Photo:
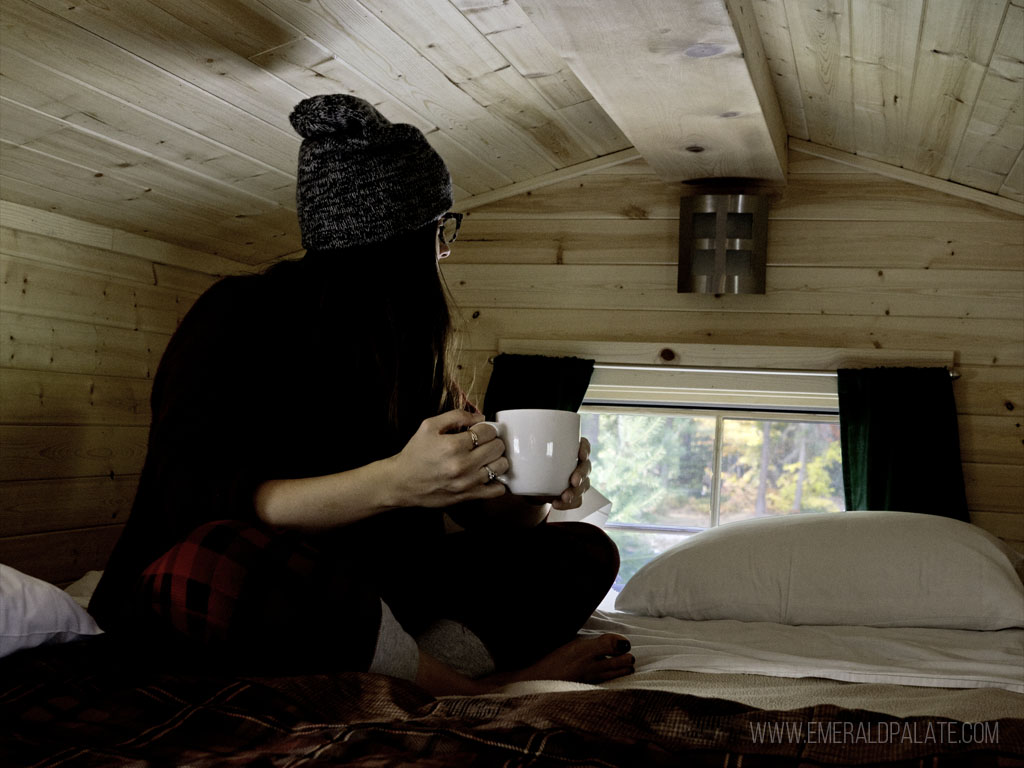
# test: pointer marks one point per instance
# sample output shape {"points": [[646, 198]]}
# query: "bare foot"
{"points": [[583, 660]]}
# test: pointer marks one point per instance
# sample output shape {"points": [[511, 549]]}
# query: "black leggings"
{"points": [[264, 600]]}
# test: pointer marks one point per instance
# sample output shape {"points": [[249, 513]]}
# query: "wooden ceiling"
{"points": [[169, 118]]}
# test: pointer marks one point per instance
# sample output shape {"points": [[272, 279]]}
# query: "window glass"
{"points": [[774, 467], [671, 472], [658, 471]]}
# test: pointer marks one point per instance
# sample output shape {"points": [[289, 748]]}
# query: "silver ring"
{"points": [[491, 475], [473, 437]]}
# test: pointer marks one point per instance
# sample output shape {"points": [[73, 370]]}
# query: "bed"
{"points": [[859, 639]]}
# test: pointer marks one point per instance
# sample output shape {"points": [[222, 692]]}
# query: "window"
{"points": [[674, 464]]}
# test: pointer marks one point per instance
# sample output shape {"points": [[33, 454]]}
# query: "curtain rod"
{"points": [[715, 369], [724, 370]]}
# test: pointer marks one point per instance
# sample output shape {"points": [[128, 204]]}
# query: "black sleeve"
{"points": [[206, 451]]}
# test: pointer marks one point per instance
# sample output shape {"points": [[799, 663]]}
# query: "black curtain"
{"points": [[537, 381], [900, 441]]}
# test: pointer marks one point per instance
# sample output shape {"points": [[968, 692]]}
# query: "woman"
{"points": [[308, 440]]}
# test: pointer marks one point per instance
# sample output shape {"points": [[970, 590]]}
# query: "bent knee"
{"points": [[592, 545]]}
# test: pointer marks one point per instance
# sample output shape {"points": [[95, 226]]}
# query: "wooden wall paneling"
{"points": [[50, 452], [948, 188], [778, 48], [73, 51], [951, 63], [507, 95], [182, 195], [803, 163], [34, 288], [995, 488], [197, 191], [42, 397], [60, 557], [90, 194], [831, 232], [40, 343], [91, 109], [312, 69], [992, 439], [469, 173], [38, 506], [595, 196], [598, 130], [1013, 185], [909, 244], [549, 179], [84, 258], [862, 197], [988, 390], [820, 243], [670, 354], [883, 49], [69, 230], [1007, 526], [821, 46], [995, 134], [244, 28], [511, 32], [744, 22], [474, 373], [566, 241], [33, 247], [359, 38], [821, 291], [839, 197], [978, 342], [727, 123], [49, 224], [181, 280], [442, 36], [156, 36]]}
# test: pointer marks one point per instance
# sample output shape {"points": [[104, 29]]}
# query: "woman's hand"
{"points": [[453, 457], [579, 481]]}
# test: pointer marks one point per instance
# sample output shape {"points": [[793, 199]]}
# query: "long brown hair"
{"points": [[387, 306]]}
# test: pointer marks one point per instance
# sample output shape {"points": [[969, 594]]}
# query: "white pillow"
{"points": [[34, 612], [878, 569]]}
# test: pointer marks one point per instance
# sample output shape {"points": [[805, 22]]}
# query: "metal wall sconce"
{"points": [[723, 243]]}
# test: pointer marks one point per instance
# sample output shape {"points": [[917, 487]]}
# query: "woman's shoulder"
{"points": [[240, 296]]}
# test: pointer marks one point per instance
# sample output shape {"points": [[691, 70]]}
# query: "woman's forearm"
{"points": [[327, 501]]}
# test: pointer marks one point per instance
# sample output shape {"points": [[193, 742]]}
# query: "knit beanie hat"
{"points": [[362, 178]]}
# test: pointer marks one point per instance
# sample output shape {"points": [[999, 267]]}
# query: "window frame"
{"points": [[750, 394]]}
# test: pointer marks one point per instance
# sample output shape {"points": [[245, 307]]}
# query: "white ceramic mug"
{"points": [[542, 447]]}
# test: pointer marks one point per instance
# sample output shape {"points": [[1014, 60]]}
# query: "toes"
{"points": [[609, 669], [613, 645]]}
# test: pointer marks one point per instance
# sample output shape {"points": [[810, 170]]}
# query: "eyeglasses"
{"points": [[448, 227]]}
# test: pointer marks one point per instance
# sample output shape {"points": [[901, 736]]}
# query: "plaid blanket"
{"points": [[77, 706]]}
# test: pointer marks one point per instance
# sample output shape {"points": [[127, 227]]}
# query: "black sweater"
{"points": [[259, 382]]}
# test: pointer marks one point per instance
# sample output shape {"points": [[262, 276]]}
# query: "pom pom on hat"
{"points": [[362, 178], [343, 115]]}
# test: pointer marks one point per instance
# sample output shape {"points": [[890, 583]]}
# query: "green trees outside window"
{"points": [[670, 474]]}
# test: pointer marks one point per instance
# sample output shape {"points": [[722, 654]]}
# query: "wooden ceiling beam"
{"points": [[685, 81]]}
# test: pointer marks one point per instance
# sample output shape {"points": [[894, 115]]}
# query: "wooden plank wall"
{"points": [[855, 260], [86, 312]]}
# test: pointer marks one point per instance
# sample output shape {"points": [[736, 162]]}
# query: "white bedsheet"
{"points": [[947, 658]]}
